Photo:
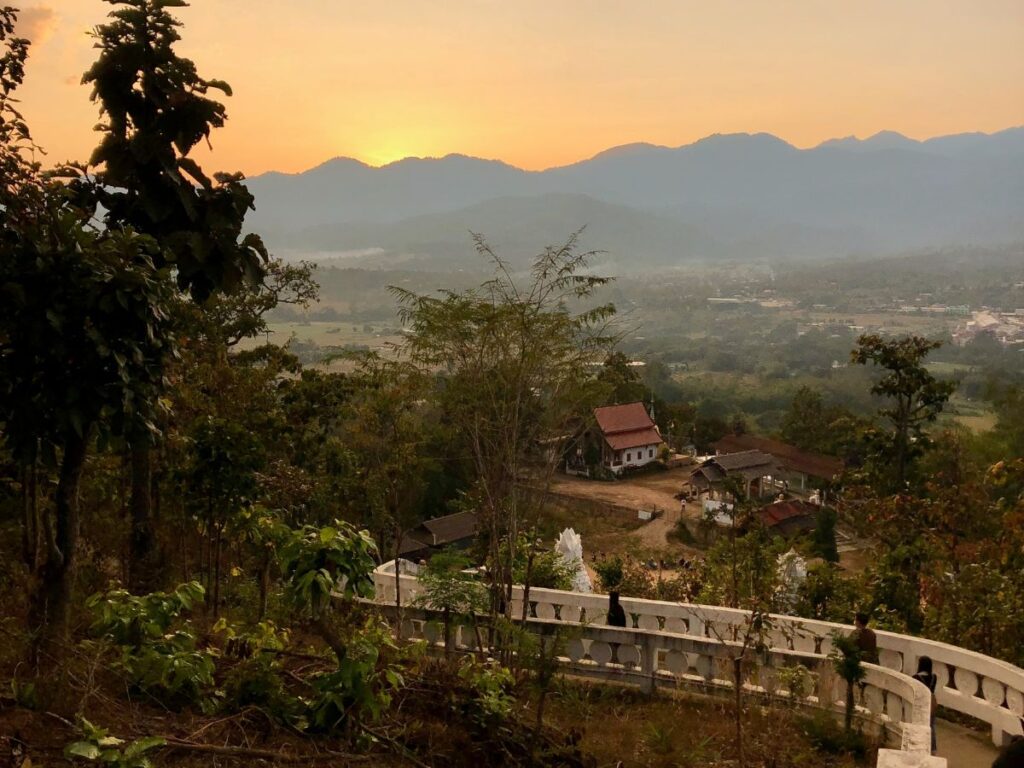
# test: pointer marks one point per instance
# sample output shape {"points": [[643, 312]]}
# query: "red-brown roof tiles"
{"points": [[626, 426]]}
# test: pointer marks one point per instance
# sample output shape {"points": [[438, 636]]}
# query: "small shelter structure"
{"points": [[629, 436], [457, 530], [752, 468], [798, 471]]}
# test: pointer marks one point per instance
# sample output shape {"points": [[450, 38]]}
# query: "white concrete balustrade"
{"points": [[681, 642]]}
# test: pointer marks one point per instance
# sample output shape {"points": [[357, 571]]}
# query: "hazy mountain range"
{"points": [[725, 196]]}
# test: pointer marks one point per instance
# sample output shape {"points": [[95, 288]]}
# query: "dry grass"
{"points": [[623, 726], [602, 528]]}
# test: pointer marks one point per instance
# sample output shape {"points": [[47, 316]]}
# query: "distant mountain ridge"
{"points": [[724, 196]]}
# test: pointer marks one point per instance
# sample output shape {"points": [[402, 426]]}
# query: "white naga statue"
{"points": [[570, 547]]}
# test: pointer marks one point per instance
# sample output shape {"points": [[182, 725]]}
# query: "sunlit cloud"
{"points": [[37, 23]]}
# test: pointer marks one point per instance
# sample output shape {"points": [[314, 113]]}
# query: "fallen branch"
{"points": [[262, 754], [396, 745]]}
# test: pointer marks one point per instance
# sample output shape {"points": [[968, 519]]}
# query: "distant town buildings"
{"points": [[1005, 327]]}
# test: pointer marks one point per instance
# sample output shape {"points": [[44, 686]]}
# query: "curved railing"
{"points": [[971, 683], [673, 643], [650, 659]]}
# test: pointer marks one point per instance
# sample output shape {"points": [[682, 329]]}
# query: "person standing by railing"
{"points": [[867, 640], [616, 614]]}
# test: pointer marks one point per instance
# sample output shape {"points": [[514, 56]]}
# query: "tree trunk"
{"points": [[264, 581], [446, 618], [216, 572], [737, 679], [141, 508], [32, 529], [848, 718], [329, 636], [398, 585], [53, 600]]}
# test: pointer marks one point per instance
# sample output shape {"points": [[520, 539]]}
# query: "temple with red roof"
{"points": [[629, 436]]}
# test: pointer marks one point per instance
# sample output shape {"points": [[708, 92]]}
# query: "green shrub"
{"points": [[257, 682], [173, 669], [361, 687], [491, 684], [156, 659], [127, 619], [99, 746], [829, 736], [681, 533], [610, 572]]}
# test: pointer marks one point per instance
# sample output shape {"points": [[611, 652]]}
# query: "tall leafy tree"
{"points": [[914, 398], [221, 481], [386, 432], [515, 361], [83, 326], [155, 110]]}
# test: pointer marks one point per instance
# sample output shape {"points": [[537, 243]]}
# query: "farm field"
{"points": [[330, 334], [976, 416]]}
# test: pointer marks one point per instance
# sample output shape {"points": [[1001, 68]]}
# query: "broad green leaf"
{"points": [[145, 744], [83, 749], [327, 535]]}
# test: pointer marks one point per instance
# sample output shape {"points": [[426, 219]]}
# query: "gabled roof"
{"points": [[789, 456], [628, 417], [732, 462], [627, 426], [788, 518], [747, 464]]}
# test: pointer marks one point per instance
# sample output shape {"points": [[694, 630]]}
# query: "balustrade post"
{"points": [[649, 662]]}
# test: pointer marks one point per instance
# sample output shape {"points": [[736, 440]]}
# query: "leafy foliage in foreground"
{"points": [[156, 658], [99, 746]]}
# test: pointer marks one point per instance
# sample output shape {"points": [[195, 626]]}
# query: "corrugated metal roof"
{"points": [[731, 462], [779, 511], [789, 456], [449, 528]]}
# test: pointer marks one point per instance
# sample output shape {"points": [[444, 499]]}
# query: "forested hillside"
{"points": [[734, 196]]}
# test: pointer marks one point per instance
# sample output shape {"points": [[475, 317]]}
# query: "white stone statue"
{"points": [[792, 570], [570, 547]]}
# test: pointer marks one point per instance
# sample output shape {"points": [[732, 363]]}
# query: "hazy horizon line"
{"points": [[639, 143]]}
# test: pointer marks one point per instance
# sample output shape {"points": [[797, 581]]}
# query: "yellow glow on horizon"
{"points": [[539, 83]]}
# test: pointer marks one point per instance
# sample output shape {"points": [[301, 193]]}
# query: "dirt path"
{"points": [[962, 747], [655, 491]]}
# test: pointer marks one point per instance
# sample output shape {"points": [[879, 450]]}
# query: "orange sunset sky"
{"points": [[547, 82]]}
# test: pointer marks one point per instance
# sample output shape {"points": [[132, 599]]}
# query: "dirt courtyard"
{"points": [[649, 492], [653, 491]]}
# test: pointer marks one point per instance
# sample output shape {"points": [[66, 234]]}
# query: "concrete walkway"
{"points": [[962, 747]]}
